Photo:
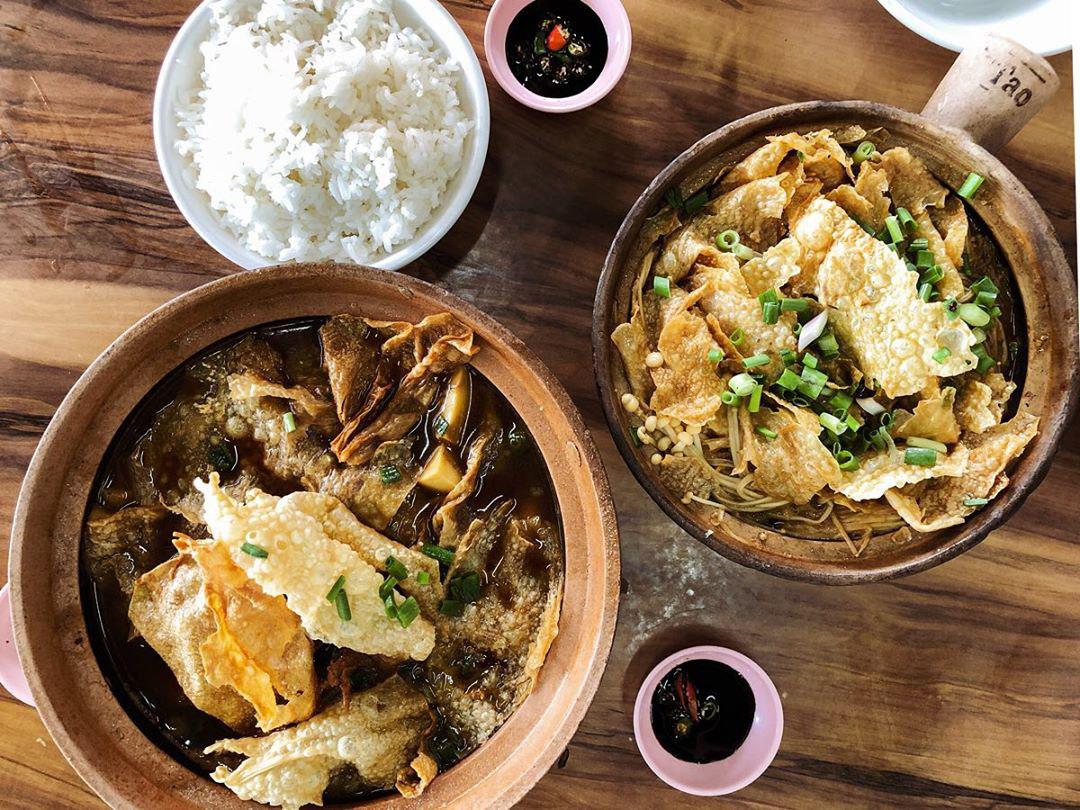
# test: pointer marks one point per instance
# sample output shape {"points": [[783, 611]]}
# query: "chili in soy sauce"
{"points": [[702, 711], [556, 48]]}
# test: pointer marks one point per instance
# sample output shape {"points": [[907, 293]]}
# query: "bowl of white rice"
{"points": [[321, 130]]}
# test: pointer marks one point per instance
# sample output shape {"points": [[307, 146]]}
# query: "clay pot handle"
{"points": [[993, 88]]}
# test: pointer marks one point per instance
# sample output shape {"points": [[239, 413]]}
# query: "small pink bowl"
{"points": [[11, 671], [616, 24], [726, 775]]}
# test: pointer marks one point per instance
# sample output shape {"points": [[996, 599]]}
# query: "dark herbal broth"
{"points": [[702, 711], [556, 48], [144, 683]]}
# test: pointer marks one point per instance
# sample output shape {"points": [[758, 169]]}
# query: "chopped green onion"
{"points": [[813, 376], [729, 398], [986, 362], [830, 422], [769, 295], [932, 275], [451, 607], [756, 360], [341, 602], [390, 606], [976, 501], [886, 419], [911, 267], [985, 299], [984, 284], [788, 357], [970, 185], [942, 354], [423, 578], [407, 611], [925, 291], [828, 345], [634, 438], [339, 583], [795, 305], [929, 444], [877, 439], [980, 334], [841, 400], [995, 312], [288, 421], [396, 569], [770, 312], [789, 380], [742, 384], [754, 405], [796, 328], [443, 555], [743, 253], [862, 152], [852, 423], [254, 550], [727, 240], [895, 248], [924, 259], [950, 305], [892, 225], [920, 456], [387, 587], [715, 356], [915, 245], [847, 461], [768, 433], [809, 391], [465, 588], [973, 315], [907, 222], [810, 360], [736, 337], [389, 474], [661, 286]]}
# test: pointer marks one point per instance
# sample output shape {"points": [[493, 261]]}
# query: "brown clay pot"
{"points": [[96, 735], [971, 97]]}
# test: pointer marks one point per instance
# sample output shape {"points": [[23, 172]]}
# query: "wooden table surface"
{"points": [[957, 686]]}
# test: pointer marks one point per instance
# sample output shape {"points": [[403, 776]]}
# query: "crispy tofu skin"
{"points": [[324, 557], [821, 344]]}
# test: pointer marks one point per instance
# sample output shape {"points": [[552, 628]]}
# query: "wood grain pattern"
{"points": [[959, 686]]}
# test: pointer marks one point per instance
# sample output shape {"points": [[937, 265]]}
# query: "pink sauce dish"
{"points": [[11, 671], [751, 756], [500, 26]]}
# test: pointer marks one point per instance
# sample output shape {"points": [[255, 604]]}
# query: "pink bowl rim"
{"points": [[617, 25], [768, 725]]}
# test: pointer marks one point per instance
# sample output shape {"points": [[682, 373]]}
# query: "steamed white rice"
{"points": [[322, 129]]}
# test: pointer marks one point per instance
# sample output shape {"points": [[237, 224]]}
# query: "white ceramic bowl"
{"points": [[1042, 26], [180, 72]]}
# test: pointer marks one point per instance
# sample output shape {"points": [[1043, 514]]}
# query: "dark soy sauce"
{"points": [[702, 711], [556, 48]]}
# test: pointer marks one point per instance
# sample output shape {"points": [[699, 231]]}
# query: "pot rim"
{"points": [[826, 573], [601, 593]]}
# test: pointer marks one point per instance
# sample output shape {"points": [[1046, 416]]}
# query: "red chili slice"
{"points": [[691, 699], [556, 39]]}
